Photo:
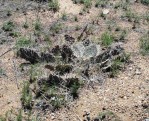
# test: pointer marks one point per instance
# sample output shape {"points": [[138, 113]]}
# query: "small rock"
{"points": [[105, 11], [52, 98], [86, 113], [52, 114], [130, 68], [52, 117], [137, 72]]}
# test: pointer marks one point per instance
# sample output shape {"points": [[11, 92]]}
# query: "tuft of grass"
{"points": [[26, 96], [8, 116], [100, 3], [23, 42], [2, 72], [19, 116], [14, 34], [58, 101], [2, 118], [144, 45], [121, 35], [87, 3], [115, 67], [74, 84], [107, 39], [64, 16], [9, 26], [54, 5], [56, 27], [118, 64], [47, 39], [37, 25], [34, 73], [131, 16], [146, 16]]}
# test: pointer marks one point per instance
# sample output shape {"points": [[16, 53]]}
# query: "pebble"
{"points": [[52, 114], [52, 117], [105, 11], [137, 72], [130, 68]]}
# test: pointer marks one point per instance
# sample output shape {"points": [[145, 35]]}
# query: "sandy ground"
{"points": [[124, 95]]}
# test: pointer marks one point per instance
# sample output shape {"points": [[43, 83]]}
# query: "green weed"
{"points": [[2, 72], [64, 16], [146, 16], [74, 84], [115, 67], [87, 3], [14, 34], [56, 27], [34, 73], [9, 26], [58, 101], [118, 64], [100, 3], [37, 25], [26, 96], [107, 39], [23, 42], [131, 16], [54, 5], [19, 116]]}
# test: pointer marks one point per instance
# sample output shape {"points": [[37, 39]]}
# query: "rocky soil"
{"points": [[74, 61]]}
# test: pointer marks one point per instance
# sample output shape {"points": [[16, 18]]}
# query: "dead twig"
{"points": [[84, 30], [10, 49]]}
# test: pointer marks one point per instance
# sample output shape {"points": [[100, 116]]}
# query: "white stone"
{"points": [[105, 11], [137, 72], [52, 117]]}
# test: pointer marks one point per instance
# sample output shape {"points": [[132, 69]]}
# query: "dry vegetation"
{"points": [[74, 60]]}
